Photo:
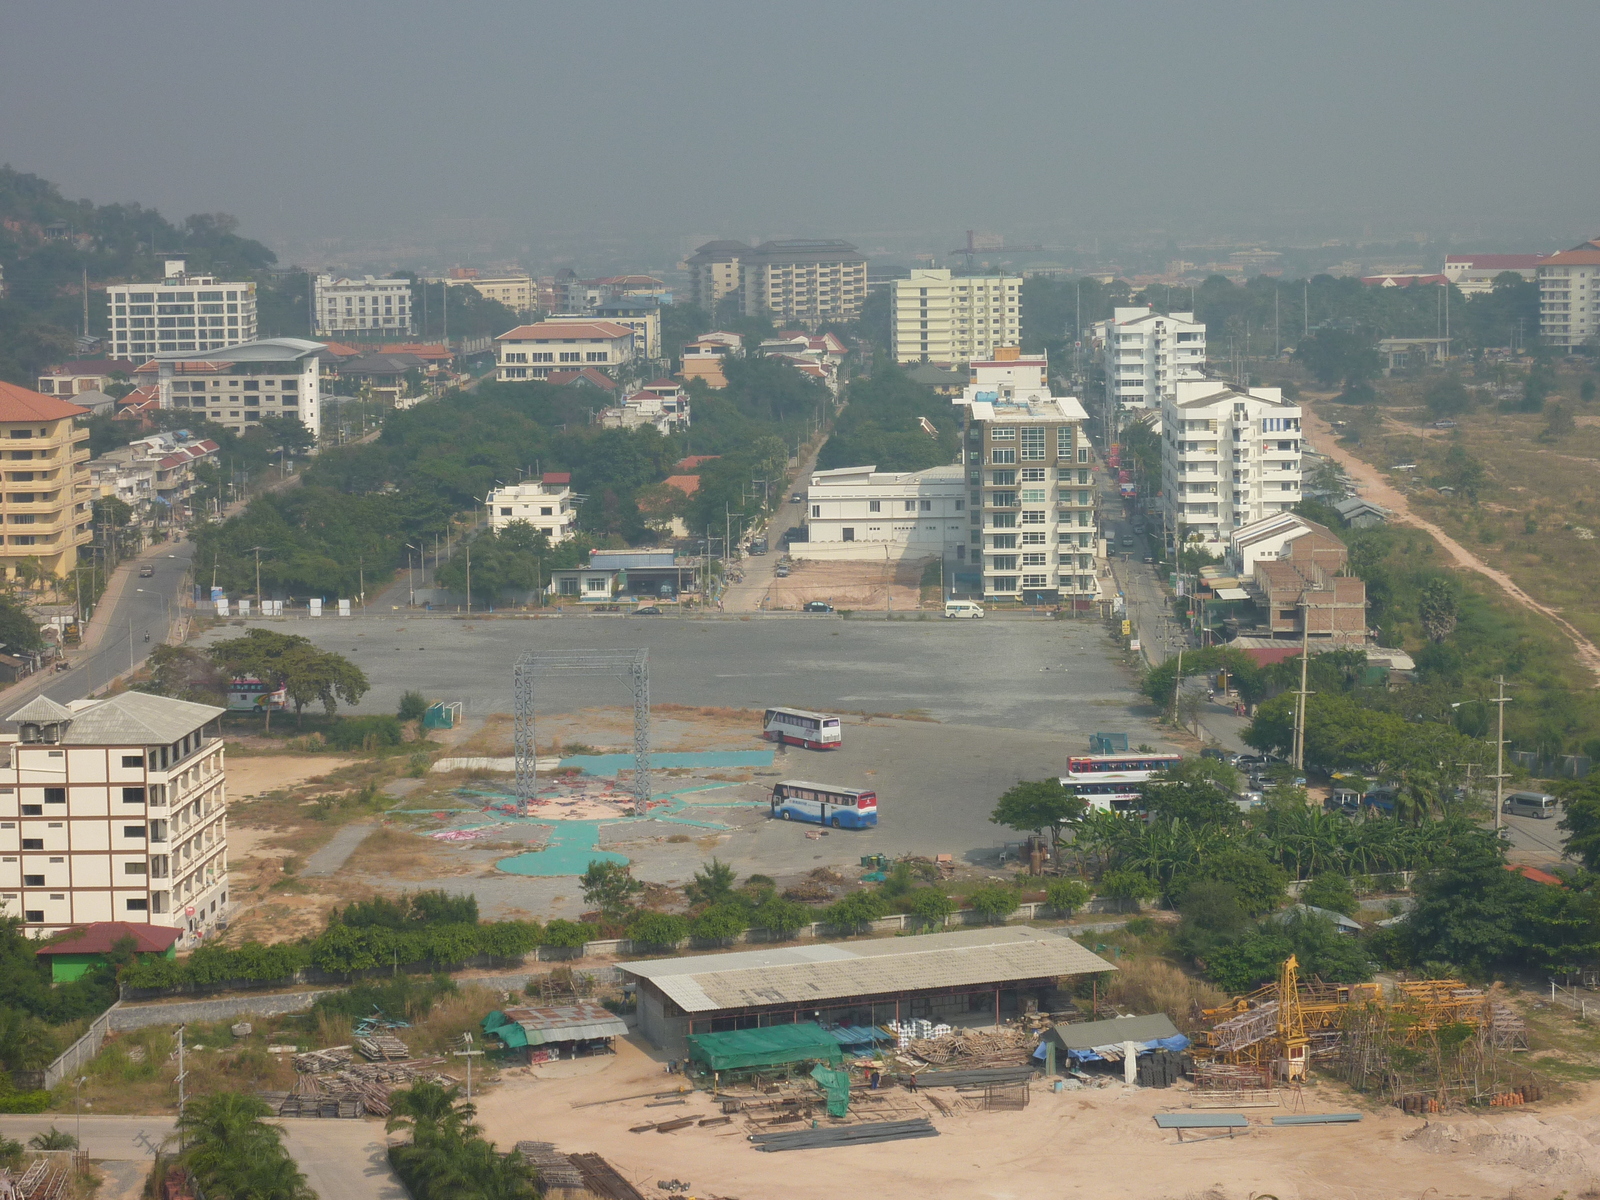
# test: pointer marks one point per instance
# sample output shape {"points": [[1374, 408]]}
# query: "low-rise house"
{"points": [[84, 949], [702, 358], [943, 382], [1361, 514], [1474, 274], [647, 408], [588, 377], [85, 375], [1294, 573], [615, 573], [535, 351], [546, 503], [154, 475], [236, 388], [642, 314]]}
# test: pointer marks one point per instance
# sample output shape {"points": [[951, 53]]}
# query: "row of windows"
{"points": [[175, 297]]}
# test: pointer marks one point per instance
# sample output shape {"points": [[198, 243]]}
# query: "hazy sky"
{"points": [[575, 124]]}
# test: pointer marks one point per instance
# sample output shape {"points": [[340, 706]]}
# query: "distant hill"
{"points": [[47, 242]]}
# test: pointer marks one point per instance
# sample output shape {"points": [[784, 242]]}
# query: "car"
{"points": [[146, 571], [1149, 558], [797, 498], [782, 572], [1221, 755], [1250, 760], [1138, 526], [1444, 424], [817, 606], [647, 610]]}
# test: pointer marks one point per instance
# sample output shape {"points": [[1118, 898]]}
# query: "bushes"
{"points": [[720, 923], [22, 1102], [995, 901], [1066, 895], [569, 935], [1256, 957], [413, 706], [855, 911], [930, 905], [783, 918], [364, 733], [658, 929]]}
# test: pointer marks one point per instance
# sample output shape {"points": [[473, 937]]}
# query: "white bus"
{"points": [[824, 804], [797, 727], [1109, 791]]}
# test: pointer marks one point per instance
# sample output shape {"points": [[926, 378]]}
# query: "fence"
{"points": [[72, 1058]]}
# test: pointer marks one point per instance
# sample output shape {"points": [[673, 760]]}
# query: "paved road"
{"points": [[126, 1138]]}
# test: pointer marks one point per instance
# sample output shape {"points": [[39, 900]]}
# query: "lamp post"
{"points": [[411, 571]]}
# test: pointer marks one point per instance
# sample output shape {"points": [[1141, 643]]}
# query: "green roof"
{"points": [[769, 1047]]}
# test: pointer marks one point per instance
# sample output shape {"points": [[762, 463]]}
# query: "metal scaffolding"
{"points": [[632, 665]]}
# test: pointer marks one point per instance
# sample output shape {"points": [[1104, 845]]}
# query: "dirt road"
{"points": [[1376, 488]]}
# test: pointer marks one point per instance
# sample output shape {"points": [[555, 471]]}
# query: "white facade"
{"points": [[667, 414], [885, 515], [519, 293], [113, 810], [278, 377], [1144, 354], [1031, 490], [1569, 296], [534, 351], [183, 312], [546, 504], [950, 320], [1230, 456], [362, 306]]}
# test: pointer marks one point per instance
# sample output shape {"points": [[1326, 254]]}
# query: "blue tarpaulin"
{"points": [[1102, 1041]]}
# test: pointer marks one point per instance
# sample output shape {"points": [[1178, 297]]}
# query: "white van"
{"points": [[1530, 804], [962, 608]]}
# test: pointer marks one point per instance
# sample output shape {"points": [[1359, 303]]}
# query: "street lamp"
{"points": [[411, 572]]}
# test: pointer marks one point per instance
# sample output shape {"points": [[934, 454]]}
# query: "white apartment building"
{"points": [[1569, 296], [113, 810], [519, 293], [534, 351], [1145, 354], [545, 503], [1031, 492], [276, 377], [183, 312], [1474, 274], [343, 307], [951, 320], [884, 516], [1229, 456], [803, 281]]}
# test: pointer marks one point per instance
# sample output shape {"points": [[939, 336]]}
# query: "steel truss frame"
{"points": [[631, 665]]}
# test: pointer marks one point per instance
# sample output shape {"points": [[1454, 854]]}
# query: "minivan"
{"points": [[1530, 804], [963, 608]]}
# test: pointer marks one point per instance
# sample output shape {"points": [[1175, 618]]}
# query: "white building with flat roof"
{"points": [[545, 503], [1031, 492], [275, 377], [950, 319], [884, 516], [113, 810], [1145, 353], [534, 351], [182, 312], [362, 307], [1230, 456]]}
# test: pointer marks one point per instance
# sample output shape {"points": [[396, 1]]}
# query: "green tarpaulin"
{"points": [[837, 1085], [769, 1047]]}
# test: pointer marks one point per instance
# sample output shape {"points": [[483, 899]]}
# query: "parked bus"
{"points": [[251, 695], [824, 804], [1110, 792], [797, 727], [1088, 766]]}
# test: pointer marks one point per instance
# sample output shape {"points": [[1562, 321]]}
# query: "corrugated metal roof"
{"points": [[812, 974], [134, 719], [1090, 1034], [541, 1024]]}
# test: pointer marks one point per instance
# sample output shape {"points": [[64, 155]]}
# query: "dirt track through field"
{"points": [[1378, 490]]}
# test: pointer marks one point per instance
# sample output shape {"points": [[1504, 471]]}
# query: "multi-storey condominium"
{"points": [[1032, 515], [804, 281], [46, 505], [113, 810], [535, 351], [517, 291], [1229, 456], [1569, 295], [949, 320], [183, 312], [545, 503], [362, 307], [276, 377], [715, 272], [1146, 353]]}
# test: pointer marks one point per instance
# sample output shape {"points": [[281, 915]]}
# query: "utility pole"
{"points": [[181, 1075], [467, 1052], [257, 551], [469, 577], [1300, 705], [1499, 749]]}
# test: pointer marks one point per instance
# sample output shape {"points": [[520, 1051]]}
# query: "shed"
{"points": [[1094, 1041], [86, 948], [1341, 922], [773, 1046], [556, 1030]]}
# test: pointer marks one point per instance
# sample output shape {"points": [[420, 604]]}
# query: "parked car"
{"points": [[1444, 424], [797, 498], [963, 609], [1223, 756], [821, 606], [1530, 804], [781, 572], [647, 610], [146, 571]]}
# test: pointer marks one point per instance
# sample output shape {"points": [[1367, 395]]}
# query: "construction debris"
{"points": [[332, 1084], [845, 1135], [383, 1048], [558, 1177], [603, 1180]]}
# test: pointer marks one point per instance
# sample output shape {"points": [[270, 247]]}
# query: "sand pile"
{"points": [[1542, 1147]]}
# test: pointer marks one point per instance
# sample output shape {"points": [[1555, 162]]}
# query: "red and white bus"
{"points": [[1110, 791], [797, 727], [1089, 766]]}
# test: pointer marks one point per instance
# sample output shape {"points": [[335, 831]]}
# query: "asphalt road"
{"points": [[116, 1138]]}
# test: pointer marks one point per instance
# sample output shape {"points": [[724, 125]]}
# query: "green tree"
{"points": [[782, 918], [712, 883], [1256, 879], [1038, 806], [720, 923], [186, 674], [259, 654], [994, 901], [1331, 891], [1447, 397], [1559, 422], [1437, 609], [930, 905], [1464, 473], [233, 1152], [1337, 355], [1580, 820], [1470, 907], [311, 675], [854, 912], [413, 706], [658, 929], [1066, 896], [1127, 886], [610, 887], [53, 1139], [1197, 790], [17, 628]]}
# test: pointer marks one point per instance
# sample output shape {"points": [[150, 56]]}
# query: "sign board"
{"points": [[316, 606], [344, 608], [1127, 628]]}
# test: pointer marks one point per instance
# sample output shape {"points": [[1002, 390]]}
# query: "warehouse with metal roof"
{"points": [[968, 976]]}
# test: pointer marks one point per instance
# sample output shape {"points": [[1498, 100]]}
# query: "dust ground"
{"points": [[1101, 1143], [853, 585]]}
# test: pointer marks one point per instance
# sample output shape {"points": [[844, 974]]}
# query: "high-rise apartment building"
{"points": [[715, 272], [276, 377], [113, 810], [182, 312], [804, 282], [47, 502], [1031, 485], [1569, 296], [951, 320], [1145, 353], [1229, 456], [362, 307]]}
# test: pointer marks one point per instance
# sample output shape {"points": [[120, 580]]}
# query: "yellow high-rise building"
{"points": [[46, 502]]}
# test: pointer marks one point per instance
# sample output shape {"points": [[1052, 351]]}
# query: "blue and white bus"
{"points": [[797, 727], [824, 804]]}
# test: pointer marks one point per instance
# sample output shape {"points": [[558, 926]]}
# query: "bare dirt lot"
{"points": [[1101, 1143], [849, 585]]}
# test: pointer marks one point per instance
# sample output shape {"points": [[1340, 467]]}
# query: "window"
{"points": [[595, 584], [873, 506], [1003, 478], [1033, 495], [33, 843], [1033, 517], [138, 905], [927, 505], [1004, 520], [1083, 454], [848, 533], [1035, 581], [133, 760], [1002, 583], [568, 587], [1003, 434], [505, 512], [35, 915], [1032, 474], [133, 831], [1064, 441], [33, 881], [1003, 562], [816, 510], [1032, 442], [1005, 541], [133, 795], [1033, 560], [1033, 538], [1002, 455]]}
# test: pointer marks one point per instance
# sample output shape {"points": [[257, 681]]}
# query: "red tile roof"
{"points": [[1535, 874], [90, 366], [1586, 255], [562, 477], [693, 461], [588, 374], [664, 382], [563, 330], [420, 349], [99, 936], [24, 404], [687, 484]]}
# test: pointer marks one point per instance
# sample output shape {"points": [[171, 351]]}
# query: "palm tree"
{"points": [[234, 1153], [1418, 797], [426, 1107]]}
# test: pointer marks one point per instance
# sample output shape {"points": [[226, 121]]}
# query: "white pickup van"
{"points": [[962, 608]]}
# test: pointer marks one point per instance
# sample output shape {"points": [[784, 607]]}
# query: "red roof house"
{"points": [[84, 948]]}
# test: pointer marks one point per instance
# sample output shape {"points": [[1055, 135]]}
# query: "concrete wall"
{"points": [[222, 1008]]}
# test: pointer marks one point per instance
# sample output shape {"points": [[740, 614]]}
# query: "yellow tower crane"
{"points": [[1291, 1023]]}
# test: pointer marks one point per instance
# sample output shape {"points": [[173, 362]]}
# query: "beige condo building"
{"points": [[46, 504]]}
